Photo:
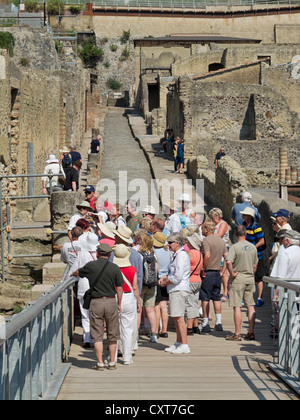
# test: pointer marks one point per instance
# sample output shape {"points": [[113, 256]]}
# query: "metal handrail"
{"points": [[35, 343], [288, 364]]}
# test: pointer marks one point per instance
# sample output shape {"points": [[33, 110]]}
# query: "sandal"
{"points": [[234, 337], [249, 336]]}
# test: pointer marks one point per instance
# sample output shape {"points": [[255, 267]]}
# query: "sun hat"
{"points": [[159, 239], [125, 234], [281, 213], [292, 234], [89, 242], [104, 249], [121, 255], [107, 230], [52, 159], [85, 204], [65, 150], [184, 197], [194, 240], [248, 211], [149, 210]]}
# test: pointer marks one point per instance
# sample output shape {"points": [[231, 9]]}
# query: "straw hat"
{"points": [[249, 211], [125, 234], [107, 229], [159, 239], [194, 240], [121, 255], [89, 242], [65, 150], [85, 204]]}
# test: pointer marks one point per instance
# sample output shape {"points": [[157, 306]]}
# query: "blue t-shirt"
{"points": [[236, 215], [164, 260]]}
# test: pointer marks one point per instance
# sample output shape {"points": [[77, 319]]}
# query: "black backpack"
{"points": [[150, 265]]}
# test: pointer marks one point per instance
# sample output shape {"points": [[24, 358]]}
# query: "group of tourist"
{"points": [[66, 169], [156, 267]]}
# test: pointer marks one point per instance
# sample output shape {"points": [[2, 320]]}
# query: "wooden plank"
{"points": [[215, 369]]}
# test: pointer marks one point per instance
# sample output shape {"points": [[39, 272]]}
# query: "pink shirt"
{"points": [[107, 241]]}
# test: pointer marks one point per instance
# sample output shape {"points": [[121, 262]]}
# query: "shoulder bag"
{"points": [[88, 294]]}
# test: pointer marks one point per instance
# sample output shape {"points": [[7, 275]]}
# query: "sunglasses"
{"points": [[172, 242]]}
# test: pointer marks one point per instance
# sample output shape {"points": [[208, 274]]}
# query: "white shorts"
{"points": [[177, 303]]}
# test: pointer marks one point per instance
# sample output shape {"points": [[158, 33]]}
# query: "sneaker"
{"points": [[112, 366], [128, 362], [260, 302], [182, 349], [173, 347], [190, 331], [206, 329], [218, 327]]}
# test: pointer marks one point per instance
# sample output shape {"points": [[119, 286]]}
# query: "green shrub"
{"points": [[32, 6], [125, 37], [113, 84], [75, 10], [90, 53], [125, 54], [56, 7], [24, 62], [113, 48], [7, 42]]}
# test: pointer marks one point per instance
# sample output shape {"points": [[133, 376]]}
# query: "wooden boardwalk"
{"points": [[215, 369]]}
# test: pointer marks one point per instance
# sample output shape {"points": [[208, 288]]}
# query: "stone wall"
{"points": [[256, 27]]}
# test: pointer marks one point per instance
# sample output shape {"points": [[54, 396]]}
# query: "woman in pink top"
{"points": [[196, 260], [107, 233]]}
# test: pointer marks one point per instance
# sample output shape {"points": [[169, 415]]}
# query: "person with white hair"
{"points": [[287, 264], [86, 254], [246, 201]]}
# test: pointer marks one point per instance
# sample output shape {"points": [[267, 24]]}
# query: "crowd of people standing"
{"points": [[172, 266]]}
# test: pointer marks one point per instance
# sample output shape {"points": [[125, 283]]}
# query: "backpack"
{"points": [[150, 265], [66, 160]]}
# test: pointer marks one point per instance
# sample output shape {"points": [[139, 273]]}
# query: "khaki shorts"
{"points": [[148, 296], [241, 292], [177, 303], [192, 306], [104, 309]]}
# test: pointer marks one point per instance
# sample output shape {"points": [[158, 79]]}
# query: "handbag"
{"points": [[88, 294]]}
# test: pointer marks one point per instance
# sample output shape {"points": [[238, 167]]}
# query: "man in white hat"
{"points": [[287, 265], [83, 211], [52, 167], [246, 201]]}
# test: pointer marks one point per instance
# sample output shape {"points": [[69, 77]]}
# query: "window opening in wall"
{"points": [[153, 95], [215, 67]]}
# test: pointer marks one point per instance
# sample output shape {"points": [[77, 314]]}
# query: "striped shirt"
{"points": [[254, 235]]}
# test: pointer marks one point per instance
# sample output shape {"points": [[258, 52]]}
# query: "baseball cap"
{"points": [[89, 188], [281, 213]]}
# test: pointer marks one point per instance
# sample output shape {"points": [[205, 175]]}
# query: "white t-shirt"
{"points": [[172, 224], [287, 264], [74, 219], [69, 252], [83, 257], [52, 168]]}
